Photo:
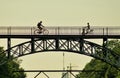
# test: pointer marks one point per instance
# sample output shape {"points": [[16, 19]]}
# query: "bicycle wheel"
{"points": [[45, 32], [37, 32]]}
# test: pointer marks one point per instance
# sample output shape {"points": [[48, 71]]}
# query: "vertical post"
{"points": [[31, 31], [70, 70], [8, 46], [103, 31], [104, 45], [8, 30], [63, 61], [107, 31], [81, 44], [44, 44], [32, 45], [68, 44], [80, 31], [58, 30], [105, 42], [57, 43]]}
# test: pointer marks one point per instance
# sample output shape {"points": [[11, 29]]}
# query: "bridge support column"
{"points": [[105, 42], [68, 44], [104, 45], [45, 44], [9, 46], [57, 44], [81, 44], [32, 45]]}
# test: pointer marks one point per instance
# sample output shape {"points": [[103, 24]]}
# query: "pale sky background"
{"points": [[57, 13]]}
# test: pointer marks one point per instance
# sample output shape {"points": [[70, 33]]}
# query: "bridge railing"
{"points": [[60, 30]]}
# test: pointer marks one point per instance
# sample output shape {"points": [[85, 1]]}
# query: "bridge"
{"points": [[68, 39]]}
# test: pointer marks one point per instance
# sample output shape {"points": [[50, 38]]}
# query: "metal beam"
{"points": [[58, 71], [32, 45], [8, 47], [57, 44]]}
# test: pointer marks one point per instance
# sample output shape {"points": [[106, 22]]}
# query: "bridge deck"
{"points": [[27, 32]]}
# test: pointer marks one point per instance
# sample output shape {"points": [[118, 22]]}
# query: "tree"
{"points": [[102, 69], [8, 66]]}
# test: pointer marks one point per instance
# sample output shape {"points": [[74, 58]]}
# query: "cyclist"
{"points": [[88, 26], [40, 26], [87, 29]]}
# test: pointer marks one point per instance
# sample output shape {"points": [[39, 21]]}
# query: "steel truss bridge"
{"points": [[68, 39]]}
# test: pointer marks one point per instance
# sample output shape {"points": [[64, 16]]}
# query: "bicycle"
{"points": [[87, 31], [44, 31]]}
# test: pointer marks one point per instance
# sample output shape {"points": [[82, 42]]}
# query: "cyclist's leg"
{"points": [[40, 30], [83, 31]]}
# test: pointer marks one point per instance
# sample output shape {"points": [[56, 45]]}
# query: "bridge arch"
{"points": [[78, 45]]}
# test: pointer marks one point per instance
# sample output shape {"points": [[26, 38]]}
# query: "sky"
{"points": [[57, 13]]}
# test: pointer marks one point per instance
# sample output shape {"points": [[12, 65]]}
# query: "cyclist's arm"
{"points": [[41, 25]]}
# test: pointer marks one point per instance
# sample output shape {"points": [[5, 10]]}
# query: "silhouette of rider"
{"points": [[88, 26], [86, 29], [83, 32], [40, 26]]}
